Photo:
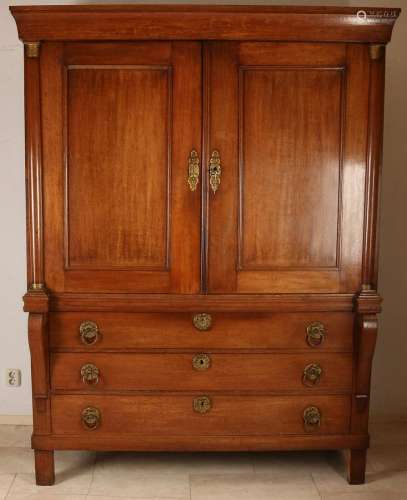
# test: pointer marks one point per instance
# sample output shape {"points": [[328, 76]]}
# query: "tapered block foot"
{"points": [[357, 466], [44, 467]]}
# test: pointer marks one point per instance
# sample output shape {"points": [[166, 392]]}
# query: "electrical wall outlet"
{"points": [[13, 377]]}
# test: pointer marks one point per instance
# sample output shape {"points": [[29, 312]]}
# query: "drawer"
{"points": [[198, 414], [202, 371], [115, 331]]}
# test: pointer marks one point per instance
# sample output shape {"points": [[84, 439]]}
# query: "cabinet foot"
{"points": [[44, 467], [357, 466]]}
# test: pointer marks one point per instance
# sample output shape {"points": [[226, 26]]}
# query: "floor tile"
{"points": [[388, 457], [251, 487], [16, 460], [124, 482], [365, 495], [287, 463], [76, 483], [391, 482], [15, 436], [168, 463], [102, 497], [5, 483], [45, 496]]}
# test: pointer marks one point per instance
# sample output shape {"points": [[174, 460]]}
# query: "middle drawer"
{"points": [[202, 371]]}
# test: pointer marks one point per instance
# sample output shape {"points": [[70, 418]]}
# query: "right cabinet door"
{"points": [[287, 124]]}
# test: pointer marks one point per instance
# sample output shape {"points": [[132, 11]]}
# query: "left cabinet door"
{"points": [[119, 122]]}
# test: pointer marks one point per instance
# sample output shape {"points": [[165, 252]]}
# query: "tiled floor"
{"points": [[215, 476]]}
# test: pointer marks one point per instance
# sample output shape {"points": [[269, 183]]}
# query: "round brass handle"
{"points": [[202, 321], [91, 418], [316, 332], [89, 332], [202, 404], [201, 362], [90, 374], [312, 418], [312, 375]]}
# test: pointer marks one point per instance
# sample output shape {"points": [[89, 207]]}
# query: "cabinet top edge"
{"points": [[282, 9], [204, 22]]}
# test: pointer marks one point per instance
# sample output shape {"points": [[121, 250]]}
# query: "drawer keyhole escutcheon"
{"points": [[89, 332], [202, 321], [312, 375], [201, 362], [90, 374], [202, 404], [312, 418], [91, 417], [316, 332]]}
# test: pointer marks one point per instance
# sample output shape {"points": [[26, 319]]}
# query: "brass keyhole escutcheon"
{"points": [[201, 362], [312, 375], [202, 404], [316, 332], [91, 418], [89, 332], [202, 321], [215, 170], [312, 418], [90, 374]]}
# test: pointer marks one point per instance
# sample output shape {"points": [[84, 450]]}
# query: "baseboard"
{"points": [[16, 420]]}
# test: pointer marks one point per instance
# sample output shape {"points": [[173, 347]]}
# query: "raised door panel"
{"points": [[115, 176], [292, 166], [120, 121]]}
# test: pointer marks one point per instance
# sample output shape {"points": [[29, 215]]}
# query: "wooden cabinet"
{"points": [[202, 186]]}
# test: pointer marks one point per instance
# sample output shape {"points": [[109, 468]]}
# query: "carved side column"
{"points": [[373, 166], [33, 162]]}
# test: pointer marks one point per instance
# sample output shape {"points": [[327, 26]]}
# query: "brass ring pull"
{"points": [[202, 321], [91, 418], [193, 170], [312, 418], [201, 362], [90, 374], [312, 375], [89, 332], [315, 334], [215, 170], [202, 404]]}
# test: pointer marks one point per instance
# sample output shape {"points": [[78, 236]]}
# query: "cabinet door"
{"points": [[289, 123], [119, 123]]}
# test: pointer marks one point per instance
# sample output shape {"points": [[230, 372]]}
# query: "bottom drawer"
{"points": [[174, 414]]}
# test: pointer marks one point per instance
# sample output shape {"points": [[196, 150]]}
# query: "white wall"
{"points": [[390, 367]]}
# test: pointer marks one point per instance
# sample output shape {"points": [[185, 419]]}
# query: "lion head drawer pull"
{"points": [[202, 321], [202, 404], [312, 375], [316, 332], [89, 332], [312, 418], [91, 418], [90, 374], [201, 362]]}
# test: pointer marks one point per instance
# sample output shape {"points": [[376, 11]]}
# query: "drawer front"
{"points": [[199, 414], [202, 371], [115, 331]]}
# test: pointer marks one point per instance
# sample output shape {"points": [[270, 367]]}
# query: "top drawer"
{"points": [[118, 331]]}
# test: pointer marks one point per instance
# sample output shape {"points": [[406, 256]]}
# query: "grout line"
{"points": [[190, 486], [92, 476], [11, 485], [316, 486]]}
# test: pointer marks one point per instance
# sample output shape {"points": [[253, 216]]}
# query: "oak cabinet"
{"points": [[202, 188]]}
